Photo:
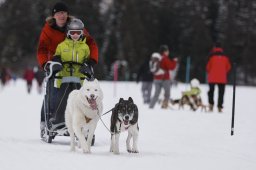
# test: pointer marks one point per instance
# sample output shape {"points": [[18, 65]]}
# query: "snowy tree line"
{"points": [[132, 29]]}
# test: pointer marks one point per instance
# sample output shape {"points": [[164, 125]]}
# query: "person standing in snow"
{"points": [[162, 77], [217, 68], [29, 76], [5, 76], [145, 75]]}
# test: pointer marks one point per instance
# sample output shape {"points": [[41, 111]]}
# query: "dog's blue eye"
{"points": [[88, 89], [96, 90]]}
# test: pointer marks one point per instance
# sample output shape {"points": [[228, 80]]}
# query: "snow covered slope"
{"points": [[169, 139]]}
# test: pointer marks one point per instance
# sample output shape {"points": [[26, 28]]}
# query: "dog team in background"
{"points": [[159, 70]]}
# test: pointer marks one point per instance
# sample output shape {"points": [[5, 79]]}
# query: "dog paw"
{"points": [[86, 151], [72, 149], [129, 150], [135, 151], [117, 153]]}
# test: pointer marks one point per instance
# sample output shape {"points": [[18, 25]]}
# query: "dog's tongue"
{"points": [[93, 104]]}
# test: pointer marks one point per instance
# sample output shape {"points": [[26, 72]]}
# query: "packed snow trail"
{"points": [[168, 139]]}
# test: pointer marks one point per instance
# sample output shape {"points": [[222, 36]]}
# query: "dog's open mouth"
{"points": [[126, 122], [92, 102]]}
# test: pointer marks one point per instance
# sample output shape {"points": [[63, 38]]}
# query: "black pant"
{"points": [[221, 90], [52, 93], [58, 101]]}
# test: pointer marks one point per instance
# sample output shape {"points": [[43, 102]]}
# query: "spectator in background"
{"points": [[5, 75], [29, 76], [161, 66], [39, 76], [146, 77], [217, 68]]}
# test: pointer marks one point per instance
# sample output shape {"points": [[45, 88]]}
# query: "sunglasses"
{"points": [[73, 32]]}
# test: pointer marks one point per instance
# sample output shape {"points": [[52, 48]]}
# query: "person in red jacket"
{"points": [[53, 33], [162, 77], [217, 69], [29, 76]]}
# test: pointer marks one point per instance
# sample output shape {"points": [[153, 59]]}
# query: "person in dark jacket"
{"points": [[5, 75], [217, 68], [146, 77]]}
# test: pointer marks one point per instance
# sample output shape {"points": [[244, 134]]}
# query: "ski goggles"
{"points": [[73, 32]]}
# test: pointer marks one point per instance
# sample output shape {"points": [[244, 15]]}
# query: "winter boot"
{"points": [[165, 104], [220, 109], [210, 108]]}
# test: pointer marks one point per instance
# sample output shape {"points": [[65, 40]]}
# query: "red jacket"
{"points": [[49, 40], [28, 75], [166, 64], [217, 68]]}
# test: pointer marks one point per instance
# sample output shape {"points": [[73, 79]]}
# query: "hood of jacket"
{"points": [[52, 23]]}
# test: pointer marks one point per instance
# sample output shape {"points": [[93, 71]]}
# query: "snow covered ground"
{"points": [[169, 139]]}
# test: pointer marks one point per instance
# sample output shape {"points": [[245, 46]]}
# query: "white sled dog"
{"points": [[84, 106]]}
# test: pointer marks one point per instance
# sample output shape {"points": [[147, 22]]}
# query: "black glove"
{"points": [[87, 70], [90, 62], [57, 58]]}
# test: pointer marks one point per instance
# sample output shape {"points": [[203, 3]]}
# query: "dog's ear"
{"points": [[95, 80], [85, 81], [121, 100], [130, 100]]}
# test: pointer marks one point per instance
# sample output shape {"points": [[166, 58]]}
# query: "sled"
{"points": [[55, 101]]}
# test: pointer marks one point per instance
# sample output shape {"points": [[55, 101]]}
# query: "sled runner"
{"points": [[55, 99]]}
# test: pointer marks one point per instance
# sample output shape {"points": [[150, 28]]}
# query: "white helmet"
{"points": [[75, 26], [194, 82]]}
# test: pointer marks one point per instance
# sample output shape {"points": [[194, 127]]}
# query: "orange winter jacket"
{"points": [[49, 40]]}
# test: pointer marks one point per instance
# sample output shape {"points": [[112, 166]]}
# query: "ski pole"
{"points": [[188, 69], [234, 97]]}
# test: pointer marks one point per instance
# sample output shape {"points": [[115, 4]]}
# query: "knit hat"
{"points": [[59, 6]]}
